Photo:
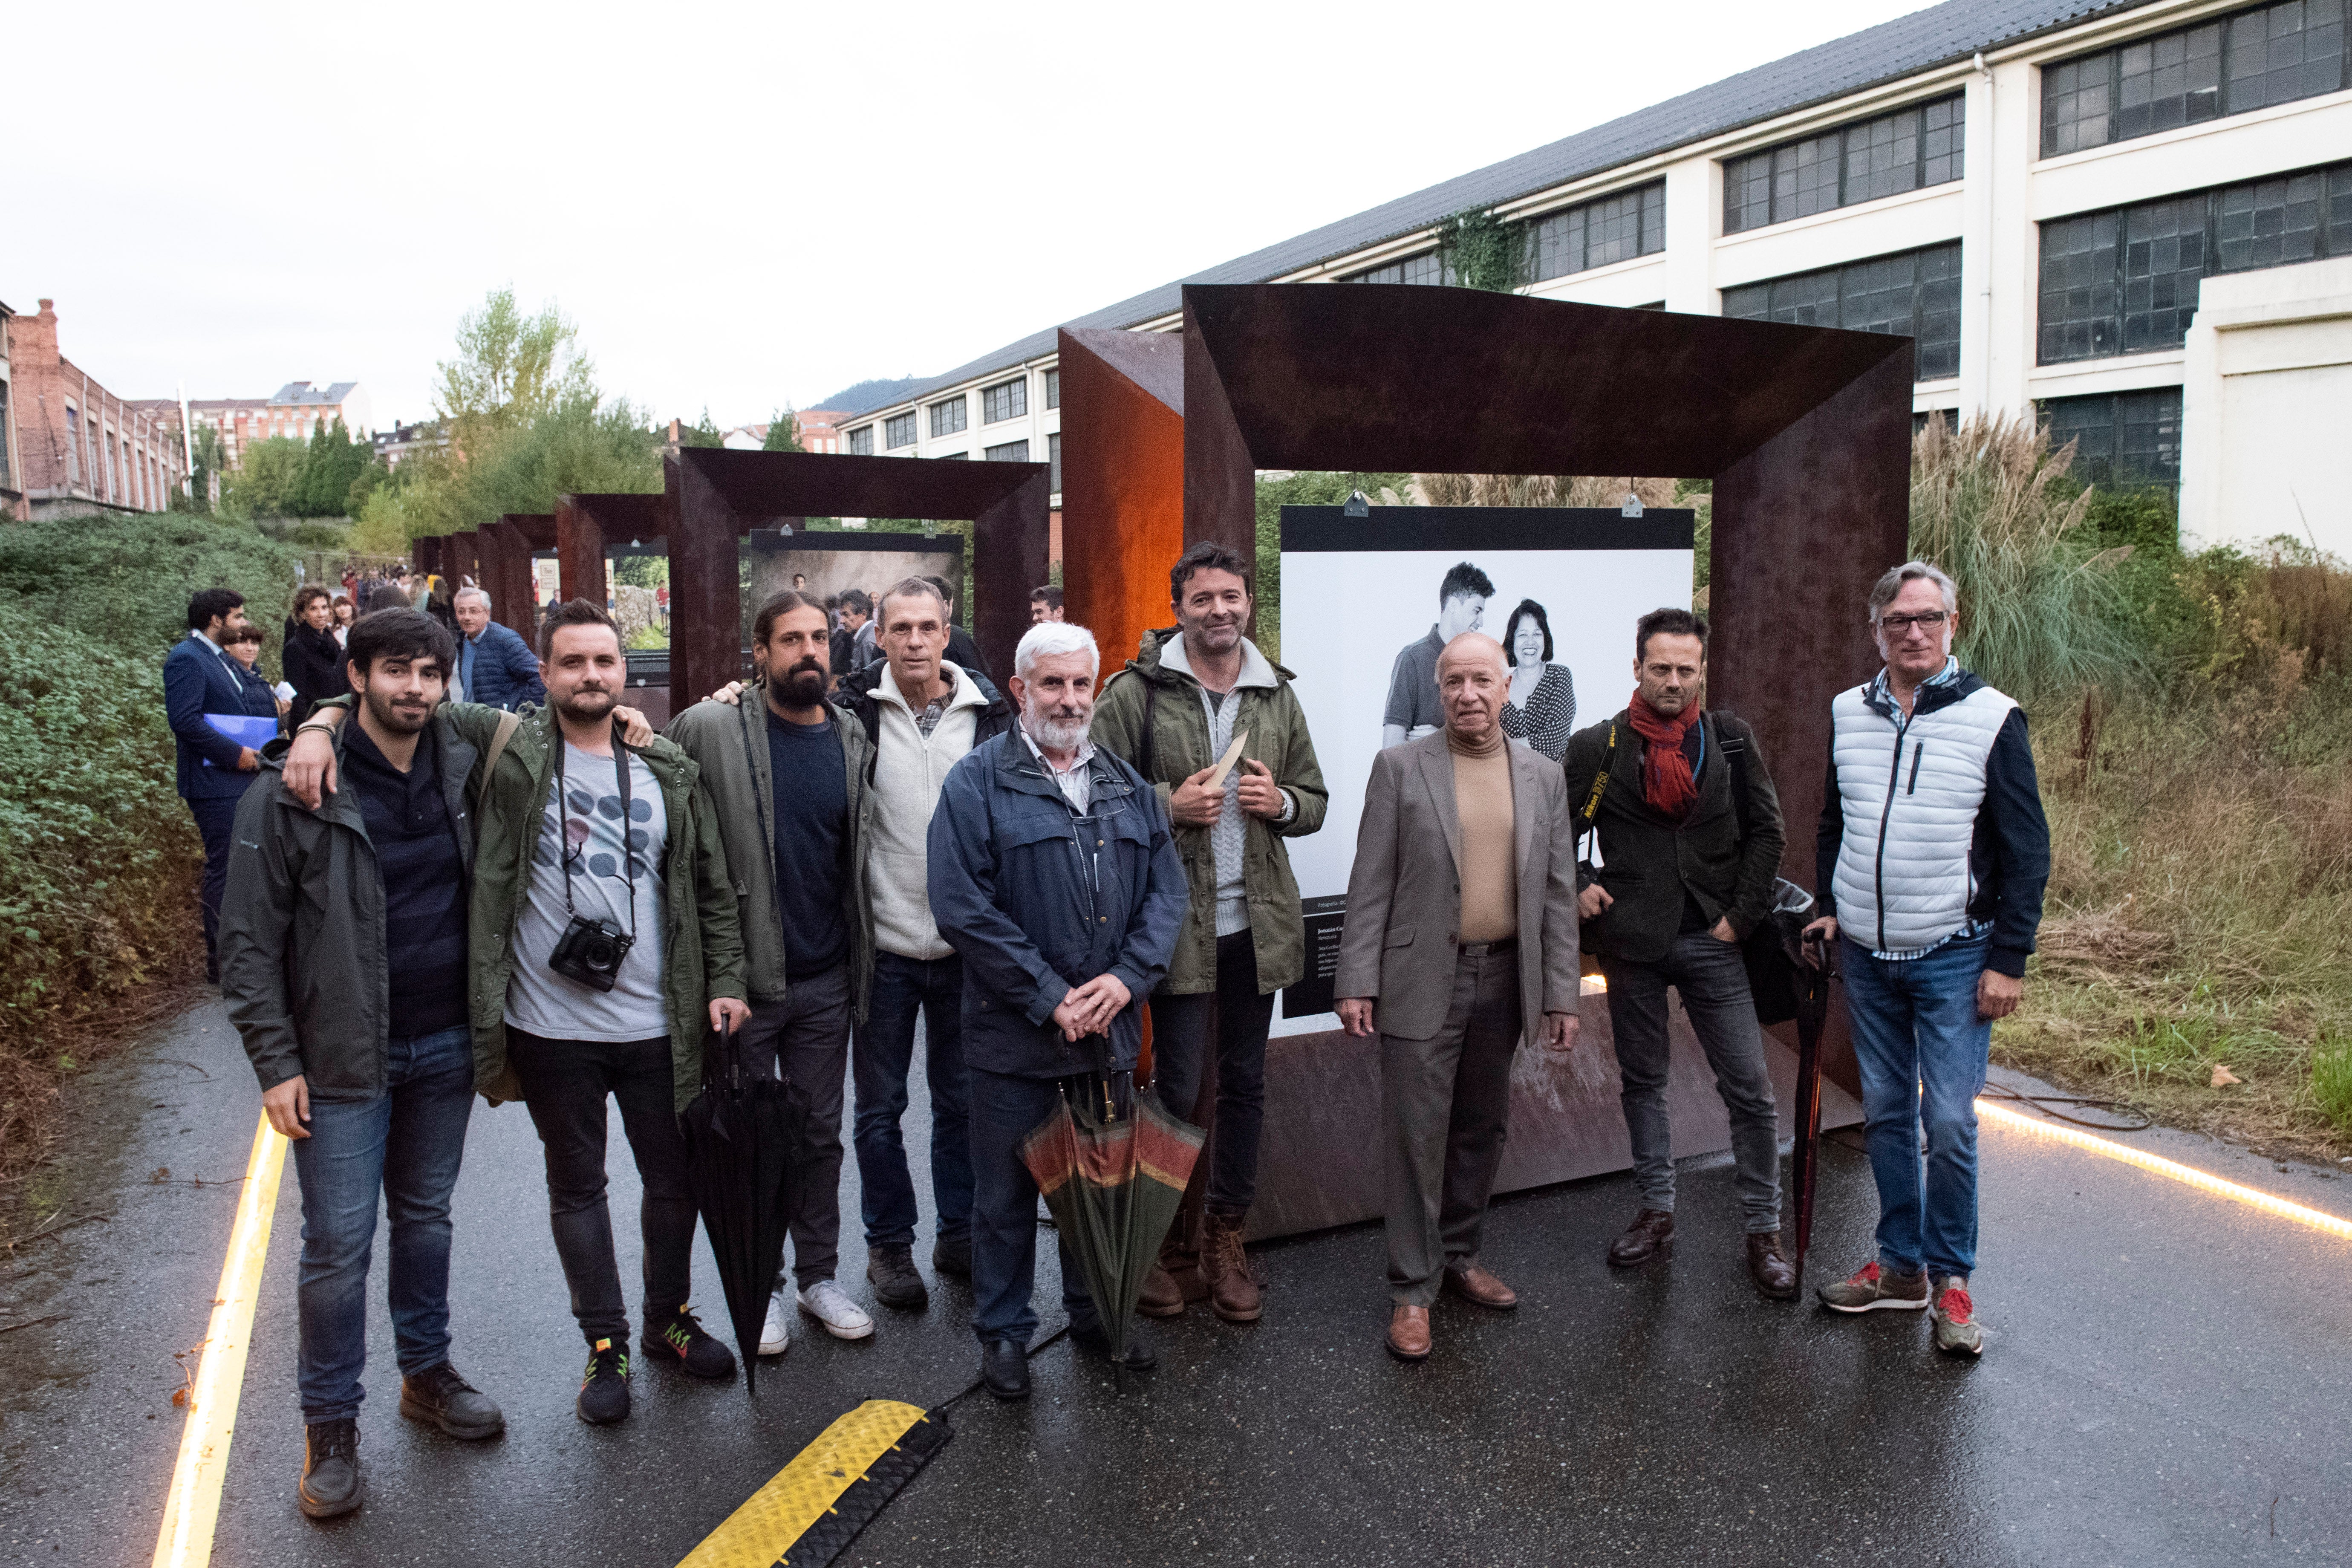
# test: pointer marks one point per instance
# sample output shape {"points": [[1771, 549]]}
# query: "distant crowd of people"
{"points": [[530, 895]]}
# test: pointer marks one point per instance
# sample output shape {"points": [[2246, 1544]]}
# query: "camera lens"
{"points": [[597, 952]]}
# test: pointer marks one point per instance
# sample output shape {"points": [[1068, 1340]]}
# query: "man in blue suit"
{"points": [[200, 679], [495, 666]]}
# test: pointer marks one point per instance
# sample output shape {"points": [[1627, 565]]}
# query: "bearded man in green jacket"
{"points": [[1189, 694]]}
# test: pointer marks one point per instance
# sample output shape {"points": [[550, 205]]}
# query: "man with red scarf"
{"points": [[1678, 888]]}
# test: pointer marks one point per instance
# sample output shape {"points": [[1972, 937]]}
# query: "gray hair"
{"points": [[462, 594], [1048, 638], [912, 588], [1883, 593]]}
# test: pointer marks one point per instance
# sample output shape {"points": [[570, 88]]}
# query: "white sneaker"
{"points": [[776, 1334], [829, 1304]]}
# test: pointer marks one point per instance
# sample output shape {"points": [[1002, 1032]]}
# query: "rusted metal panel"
{"points": [[589, 524], [1122, 481]]}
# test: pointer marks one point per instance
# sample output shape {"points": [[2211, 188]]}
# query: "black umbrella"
{"points": [[741, 1132], [1112, 1164], [1812, 984]]}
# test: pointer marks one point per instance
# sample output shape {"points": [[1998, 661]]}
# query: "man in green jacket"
{"points": [[787, 775], [1686, 873], [571, 854], [1189, 694]]}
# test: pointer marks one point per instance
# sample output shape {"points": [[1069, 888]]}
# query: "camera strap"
{"points": [[563, 810]]}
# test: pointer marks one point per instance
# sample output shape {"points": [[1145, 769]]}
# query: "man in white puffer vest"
{"points": [[1931, 862]]}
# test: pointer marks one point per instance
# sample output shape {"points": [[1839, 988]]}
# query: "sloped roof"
{"points": [[303, 393], [1906, 46]]}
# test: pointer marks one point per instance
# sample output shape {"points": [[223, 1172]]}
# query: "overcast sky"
{"points": [[745, 206]]}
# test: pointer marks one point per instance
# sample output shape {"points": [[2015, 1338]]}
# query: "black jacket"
{"points": [[1649, 863], [855, 697], [313, 661]]}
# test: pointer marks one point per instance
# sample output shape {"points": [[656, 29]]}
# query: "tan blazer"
{"points": [[1405, 893]]}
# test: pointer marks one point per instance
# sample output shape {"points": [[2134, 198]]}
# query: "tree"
{"points": [[703, 431], [269, 481], [210, 462], [783, 432], [329, 468], [509, 368]]}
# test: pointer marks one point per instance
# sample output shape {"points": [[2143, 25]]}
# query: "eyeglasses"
{"points": [[1900, 625]]}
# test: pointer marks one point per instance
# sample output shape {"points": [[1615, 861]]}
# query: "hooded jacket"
{"points": [[1152, 715]]}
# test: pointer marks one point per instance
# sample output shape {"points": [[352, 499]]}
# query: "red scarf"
{"points": [[1666, 781]]}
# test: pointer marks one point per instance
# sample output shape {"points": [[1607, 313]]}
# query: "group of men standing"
{"points": [[437, 898]]}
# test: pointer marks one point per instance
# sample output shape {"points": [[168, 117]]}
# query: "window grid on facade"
{"points": [[1430, 266], [948, 417], [1005, 400], [898, 430], [2125, 280], [1595, 234], [1916, 293], [1908, 150], [1053, 388], [2121, 436], [2232, 65], [861, 441], [1054, 462], [1010, 452]]}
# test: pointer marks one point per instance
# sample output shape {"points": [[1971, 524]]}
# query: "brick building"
{"points": [[297, 409], [12, 472], [72, 445]]}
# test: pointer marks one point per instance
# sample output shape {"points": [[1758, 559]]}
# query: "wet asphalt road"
{"points": [[2170, 1382]]}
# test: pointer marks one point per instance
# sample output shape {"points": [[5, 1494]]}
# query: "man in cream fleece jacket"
{"points": [[922, 713]]}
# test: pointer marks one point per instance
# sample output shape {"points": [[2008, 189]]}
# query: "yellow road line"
{"points": [[2173, 1169], [193, 1505], [797, 1497]]}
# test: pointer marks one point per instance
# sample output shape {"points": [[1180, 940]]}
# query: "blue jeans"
{"points": [[1922, 1052], [1004, 1109], [880, 1058], [1232, 1021], [405, 1144]]}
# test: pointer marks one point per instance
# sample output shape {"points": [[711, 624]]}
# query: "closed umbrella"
{"points": [[1112, 1164], [741, 1132], [1813, 987]]}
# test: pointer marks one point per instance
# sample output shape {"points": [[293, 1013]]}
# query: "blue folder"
{"points": [[244, 729]]}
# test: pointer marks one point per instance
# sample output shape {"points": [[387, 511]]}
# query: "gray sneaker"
{"points": [[1958, 1332], [1869, 1291]]}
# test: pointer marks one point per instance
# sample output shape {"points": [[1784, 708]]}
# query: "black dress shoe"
{"points": [[952, 1256], [1775, 1277], [331, 1469], [1004, 1368], [439, 1395], [1139, 1356], [1651, 1235]]}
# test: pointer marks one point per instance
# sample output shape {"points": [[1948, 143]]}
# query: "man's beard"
{"points": [[585, 706], [1053, 732], [400, 720], [803, 686], [1215, 638]]}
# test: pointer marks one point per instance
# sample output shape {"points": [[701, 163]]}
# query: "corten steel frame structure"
{"points": [[1805, 431], [715, 496], [586, 525], [1122, 483]]}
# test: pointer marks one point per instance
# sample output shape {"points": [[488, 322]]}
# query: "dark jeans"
{"points": [[1444, 1108], [1713, 980], [216, 821], [406, 1145], [1921, 1050], [1004, 1111], [1180, 1029], [807, 1034], [881, 1058], [564, 1082]]}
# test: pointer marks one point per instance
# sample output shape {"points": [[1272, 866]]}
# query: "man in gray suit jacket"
{"points": [[1461, 938]]}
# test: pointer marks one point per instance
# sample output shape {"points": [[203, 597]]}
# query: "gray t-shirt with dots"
{"points": [[584, 817]]}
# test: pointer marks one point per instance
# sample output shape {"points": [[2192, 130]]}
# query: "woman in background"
{"points": [[344, 615], [312, 657], [1541, 708]]}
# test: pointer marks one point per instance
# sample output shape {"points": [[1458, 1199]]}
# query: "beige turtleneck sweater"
{"points": [[1482, 808]]}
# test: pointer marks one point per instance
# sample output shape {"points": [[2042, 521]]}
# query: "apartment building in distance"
{"points": [[297, 409], [818, 429], [2133, 220], [74, 446]]}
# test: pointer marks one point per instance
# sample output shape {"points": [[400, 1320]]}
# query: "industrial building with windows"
{"points": [[2133, 219]]}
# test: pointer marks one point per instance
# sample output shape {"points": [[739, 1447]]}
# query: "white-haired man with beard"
{"points": [[1054, 876]]}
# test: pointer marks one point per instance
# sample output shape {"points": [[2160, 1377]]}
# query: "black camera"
{"points": [[591, 952]]}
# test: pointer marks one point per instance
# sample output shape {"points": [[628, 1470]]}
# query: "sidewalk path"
{"points": [[2169, 1381]]}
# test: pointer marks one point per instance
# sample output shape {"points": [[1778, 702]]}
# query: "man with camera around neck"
{"points": [[603, 941], [787, 781]]}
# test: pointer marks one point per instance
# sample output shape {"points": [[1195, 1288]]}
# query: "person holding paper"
{"points": [[220, 720], [1215, 726]]}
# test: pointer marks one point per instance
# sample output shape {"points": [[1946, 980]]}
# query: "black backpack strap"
{"points": [[1591, 811], [1735, 751]]}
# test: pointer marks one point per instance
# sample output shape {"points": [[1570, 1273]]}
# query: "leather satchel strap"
{"points": [[508, 724]]}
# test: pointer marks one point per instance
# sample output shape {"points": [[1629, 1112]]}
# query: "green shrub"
{"points": [[2331, 1082], [125, 582]]}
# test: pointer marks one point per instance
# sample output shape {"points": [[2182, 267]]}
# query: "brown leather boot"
{"points": [[1161, 1296], [1774, 1276], [1233, 1294], [1409, 1333], [1651, 1235], [1180, 1255], [1480, 1288]]}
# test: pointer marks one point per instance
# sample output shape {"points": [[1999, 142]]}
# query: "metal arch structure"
{"points": [[587, 524], [1805, 432], [714, 496]]}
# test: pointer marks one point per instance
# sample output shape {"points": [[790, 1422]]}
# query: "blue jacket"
{"points": [[499, 669], [1036, 899], [197, 681]]}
